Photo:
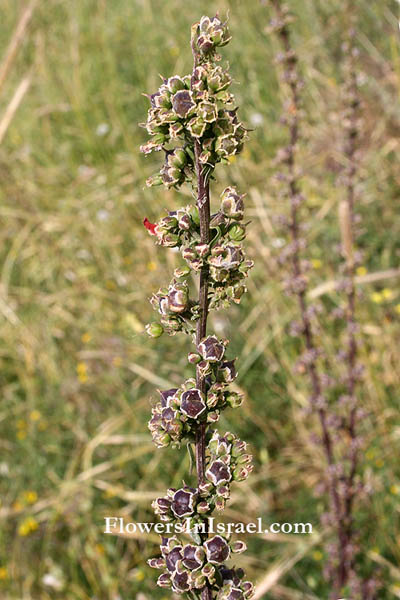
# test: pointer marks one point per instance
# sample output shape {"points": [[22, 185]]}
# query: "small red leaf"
{"points": [[149, 226]]}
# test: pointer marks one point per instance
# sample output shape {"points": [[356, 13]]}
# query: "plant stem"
{"points": [[350, 153], [203, 204], [341, 576]]}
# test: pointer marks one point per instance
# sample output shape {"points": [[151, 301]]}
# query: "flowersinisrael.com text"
{"points": [[115, 525]]}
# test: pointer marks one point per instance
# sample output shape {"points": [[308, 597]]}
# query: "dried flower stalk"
{"points": [[340, 484]]}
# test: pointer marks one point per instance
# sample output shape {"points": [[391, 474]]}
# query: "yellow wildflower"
{"points": [[317, 555], [139, 575], [117, 361], [387, 293], [395, 490], [21, 434], [35, 415], [370, 454], [27, 526], [151, 265], [3, 573], [21, 424], [397, 308], [99, 548], [30, 496], [316, 263], [86, 337], [81, 368], [361, 271], [377, 297]]}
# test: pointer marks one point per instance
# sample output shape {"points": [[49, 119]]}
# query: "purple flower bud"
{"points": [[211, 349], [208, 570], [217, 550], [156, 563], [180, 582], [164, 581], [194, 358], [183, 502], [227, 371], [167, 396], [172, 558], [213, 417], [235, 594], [192, 403], [242, 472], [248, 589], [161, 506], [203, 507], [202, 249], [178, 298], [175, 84], [238, 547], [205, 488], [227, 256], [223, 491]]}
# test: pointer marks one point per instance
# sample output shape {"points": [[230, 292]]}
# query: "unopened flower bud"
{"points": [[194, 358], [181, 272], [203, 507], [238, 547], [164, 581], [154, 330], [237, 232], [234, 400]]}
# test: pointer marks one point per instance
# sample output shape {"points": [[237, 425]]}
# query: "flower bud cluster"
{"points": [[226, 460], [188, 567], [224, 256], [175, 307], [195, 107], [180, 410]]}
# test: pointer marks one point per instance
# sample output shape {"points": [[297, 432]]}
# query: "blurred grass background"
{"points": [[77, 269]]}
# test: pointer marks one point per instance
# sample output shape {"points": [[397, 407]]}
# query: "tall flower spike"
{"points": [[193, 119], [339, 453]]}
